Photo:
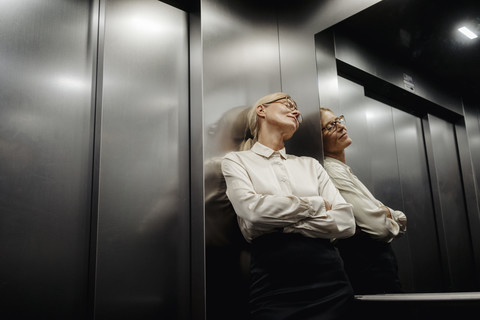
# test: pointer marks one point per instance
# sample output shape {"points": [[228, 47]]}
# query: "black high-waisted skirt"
{"points": [[295, 277], [371, 265]]}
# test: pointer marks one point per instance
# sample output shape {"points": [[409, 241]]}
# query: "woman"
{"points": [[288, 210], [368, 257]]}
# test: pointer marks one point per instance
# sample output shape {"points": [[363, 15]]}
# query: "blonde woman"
{"points": [[288, 210], [368, 256]]}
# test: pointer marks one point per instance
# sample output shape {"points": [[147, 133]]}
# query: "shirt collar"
{"points": [[330, 159], [266, 152]]}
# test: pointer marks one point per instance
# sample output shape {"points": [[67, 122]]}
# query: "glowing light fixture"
{"points": [[467, 32]]}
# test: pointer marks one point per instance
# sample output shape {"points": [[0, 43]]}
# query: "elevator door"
{"points": [[143, 208], [46, 71], [391, 156]]}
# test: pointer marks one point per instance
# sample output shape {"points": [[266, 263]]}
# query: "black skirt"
{"points": [[295, 277], [370, 264]]}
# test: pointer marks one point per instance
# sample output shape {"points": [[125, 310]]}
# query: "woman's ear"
{"points": [[261, 111]]}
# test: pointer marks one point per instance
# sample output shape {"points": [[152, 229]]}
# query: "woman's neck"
{"points": [[272, 140]]}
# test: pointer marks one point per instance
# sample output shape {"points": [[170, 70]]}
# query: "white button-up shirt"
{"points": [[369, 215], [272, 191]]}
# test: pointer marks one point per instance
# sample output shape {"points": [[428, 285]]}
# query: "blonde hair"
{"points": [[252, 118], [322, 110], [325, 109]]}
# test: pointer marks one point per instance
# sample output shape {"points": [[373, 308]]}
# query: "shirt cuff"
{"points": [[316, 207]]}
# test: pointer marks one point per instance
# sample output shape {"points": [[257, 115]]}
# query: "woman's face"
{"points": [[336, 139], [282, 114]]}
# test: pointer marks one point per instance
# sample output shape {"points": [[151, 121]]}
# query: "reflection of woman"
{"points": [[368, 256], [226, 251], [288, 210]]}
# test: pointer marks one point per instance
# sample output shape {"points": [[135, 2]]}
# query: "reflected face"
{"points": [[334, 133]]}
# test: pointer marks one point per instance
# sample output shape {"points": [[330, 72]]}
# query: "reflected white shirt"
{"points": [[272, 191], [369, 217]]}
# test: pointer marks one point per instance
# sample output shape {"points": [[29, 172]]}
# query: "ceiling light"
{"points": [[467, 32]]}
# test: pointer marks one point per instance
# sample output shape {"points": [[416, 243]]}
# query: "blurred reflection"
{"points": [[227, 256]]}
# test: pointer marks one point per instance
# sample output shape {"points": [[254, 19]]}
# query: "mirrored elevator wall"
{"points": [[94, 160], [414, 151], [411, 164]]}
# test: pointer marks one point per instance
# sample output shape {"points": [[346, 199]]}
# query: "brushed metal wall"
{"points": [[94, 160], [143, 208], [240, 65], [46, 71]]}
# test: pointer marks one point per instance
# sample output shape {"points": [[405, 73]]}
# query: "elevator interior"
{"points": [[114, 114]]}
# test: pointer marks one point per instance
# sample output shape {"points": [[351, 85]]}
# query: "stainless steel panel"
{"points": [[143, 210], [326, 69], [471, 202], [452, 215], [353, 106], [240, 62], [240, 65], [424, 254], [385, 173], [383, 153], [46, 72], [471, 155], [373, 157], [472, 119]]}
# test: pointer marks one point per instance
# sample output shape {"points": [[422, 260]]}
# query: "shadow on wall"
{"points": [[227, 253]]}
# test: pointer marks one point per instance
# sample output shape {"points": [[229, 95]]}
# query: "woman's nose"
{"points": [[298, 116]]}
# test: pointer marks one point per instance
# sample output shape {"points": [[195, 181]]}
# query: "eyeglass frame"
{"points": [[292, 106], [339, 120]]}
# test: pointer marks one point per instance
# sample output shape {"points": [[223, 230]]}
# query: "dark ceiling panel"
{"points": [[423, 33]]}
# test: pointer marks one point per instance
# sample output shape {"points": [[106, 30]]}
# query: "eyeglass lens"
{"points": [[332, 126], [290, 104]]}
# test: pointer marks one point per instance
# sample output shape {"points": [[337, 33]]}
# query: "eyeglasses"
{"points": [[332, 126], [290, 104]]}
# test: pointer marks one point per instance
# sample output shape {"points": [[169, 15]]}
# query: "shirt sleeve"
{"points": [[339, 222], [267, 212], [401, 219], [369, 214]]}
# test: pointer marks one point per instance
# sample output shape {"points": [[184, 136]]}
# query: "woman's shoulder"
{"points": [[239, 156], [236, 154]]}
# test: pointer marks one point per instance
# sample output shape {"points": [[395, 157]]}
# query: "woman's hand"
{"points": [[389, 215], [328, 206]]}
